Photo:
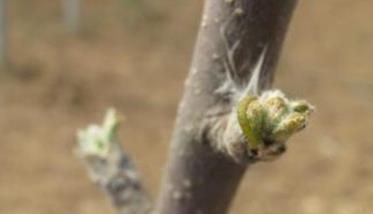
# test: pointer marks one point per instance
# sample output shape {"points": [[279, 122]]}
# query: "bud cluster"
{"points": [[271, 118]]}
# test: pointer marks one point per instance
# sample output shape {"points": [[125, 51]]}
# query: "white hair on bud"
{"points": [[273, 93], [253, 85], [252, 88]]}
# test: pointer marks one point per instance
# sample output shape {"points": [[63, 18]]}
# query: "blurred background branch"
{"points": [[3, 33], [72, 15], [110, 168]]}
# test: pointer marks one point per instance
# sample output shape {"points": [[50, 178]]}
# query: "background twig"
{"points": [[110, 168]]}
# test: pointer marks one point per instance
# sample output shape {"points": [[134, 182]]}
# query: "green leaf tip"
{"points": [[249, 118], [271, 118], [96, 140]]}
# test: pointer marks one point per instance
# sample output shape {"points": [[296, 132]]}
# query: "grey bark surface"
{"points": [[201, 179]]}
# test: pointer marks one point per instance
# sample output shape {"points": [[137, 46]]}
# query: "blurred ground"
{"points": [[134, 57]]}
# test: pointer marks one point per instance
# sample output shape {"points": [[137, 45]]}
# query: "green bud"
{"points": [[301, 106], [276, 107], [256, 115], [246, 119], [96, 140], [271, 119], [293, 123]]}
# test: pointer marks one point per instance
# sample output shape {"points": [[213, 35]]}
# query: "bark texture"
{"points": [[233, 35]]}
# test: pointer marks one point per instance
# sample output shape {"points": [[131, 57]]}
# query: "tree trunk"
{"points": [[233, 34]]}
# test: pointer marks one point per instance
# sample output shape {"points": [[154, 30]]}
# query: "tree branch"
{"points": [[202, 177]]}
